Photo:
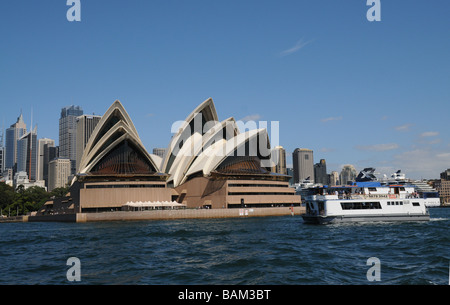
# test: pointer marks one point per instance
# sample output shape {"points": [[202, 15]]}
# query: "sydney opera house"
{"points": [[208, 164]]}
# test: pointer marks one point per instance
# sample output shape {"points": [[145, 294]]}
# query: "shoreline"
{"points": [[159, 215]]}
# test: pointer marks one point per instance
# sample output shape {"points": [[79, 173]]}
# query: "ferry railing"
{"points": [[352, 197], [359, 196]]}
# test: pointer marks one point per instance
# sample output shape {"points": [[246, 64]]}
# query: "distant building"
{"points": [[2, 160], [8, 176], [445, 175], [333, 178], [290, 172], [50, 153], [40, 157], [85, 126], [2, 154], [67, 133], [160, 152], [27, 154], [21, 179], [303, 161], [279, 159], [58, 173], [443, 187], [12, 135], [348, 174], [320, 172]]}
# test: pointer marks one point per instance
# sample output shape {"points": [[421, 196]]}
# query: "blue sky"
{"points": [[371, 94]]}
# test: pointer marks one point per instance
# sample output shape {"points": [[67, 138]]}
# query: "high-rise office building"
{"points": [[50, 153], [85, 126], [320, 172], [348, 174], [303, 162], [67, 133], [59, 170], [27, 154], [41, 164], [333, 178], [2, 154], [2, 160], [279, 159], [12, 135]]}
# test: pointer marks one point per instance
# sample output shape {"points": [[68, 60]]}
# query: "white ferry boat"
{"points": [[364, 202]]}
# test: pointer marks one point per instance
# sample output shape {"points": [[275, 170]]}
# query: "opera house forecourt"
{"points": [[210, 169]]}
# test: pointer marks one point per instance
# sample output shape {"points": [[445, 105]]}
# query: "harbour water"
{"points": [[278, 250]]}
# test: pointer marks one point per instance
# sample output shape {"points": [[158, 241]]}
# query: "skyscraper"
{"points": [[2, 154], [2, 160], [67, 133], [279, 159], [85, 126], [320, 172], [333, 178], [303, 161], [58, 173], [13, 134], [40, 157], [27, 154], [50, 152], [348, 174]]}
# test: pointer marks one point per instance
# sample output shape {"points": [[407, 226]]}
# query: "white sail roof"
{"points": [[207, 110], [214, 155], [113, 129]]}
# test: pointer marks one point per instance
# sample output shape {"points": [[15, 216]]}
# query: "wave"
{"points": [[439, 219]]}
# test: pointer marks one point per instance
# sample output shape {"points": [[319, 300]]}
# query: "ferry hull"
{"points": [[320, 219]]}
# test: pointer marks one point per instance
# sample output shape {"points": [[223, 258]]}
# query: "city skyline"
{"points": [[371, 94]]}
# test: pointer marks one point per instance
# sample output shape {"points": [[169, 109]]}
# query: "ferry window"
{"points": [[401, 202], [360, 205], [416, 204], [388, 203], [372, 189]]}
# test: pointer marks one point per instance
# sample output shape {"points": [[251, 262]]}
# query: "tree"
{"points": [[23, 201], [34, 197], [6, 195], [59, 192]]}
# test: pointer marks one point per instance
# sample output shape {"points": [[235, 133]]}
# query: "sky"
{"points": [[371, 94]]}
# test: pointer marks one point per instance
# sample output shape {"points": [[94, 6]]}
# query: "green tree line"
{"points": [[21, 201]]}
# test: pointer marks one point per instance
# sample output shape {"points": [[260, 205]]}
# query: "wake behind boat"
{"points": [[364, 201]]}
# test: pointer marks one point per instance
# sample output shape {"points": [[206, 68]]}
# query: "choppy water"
{"points": [[267, 250]]}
